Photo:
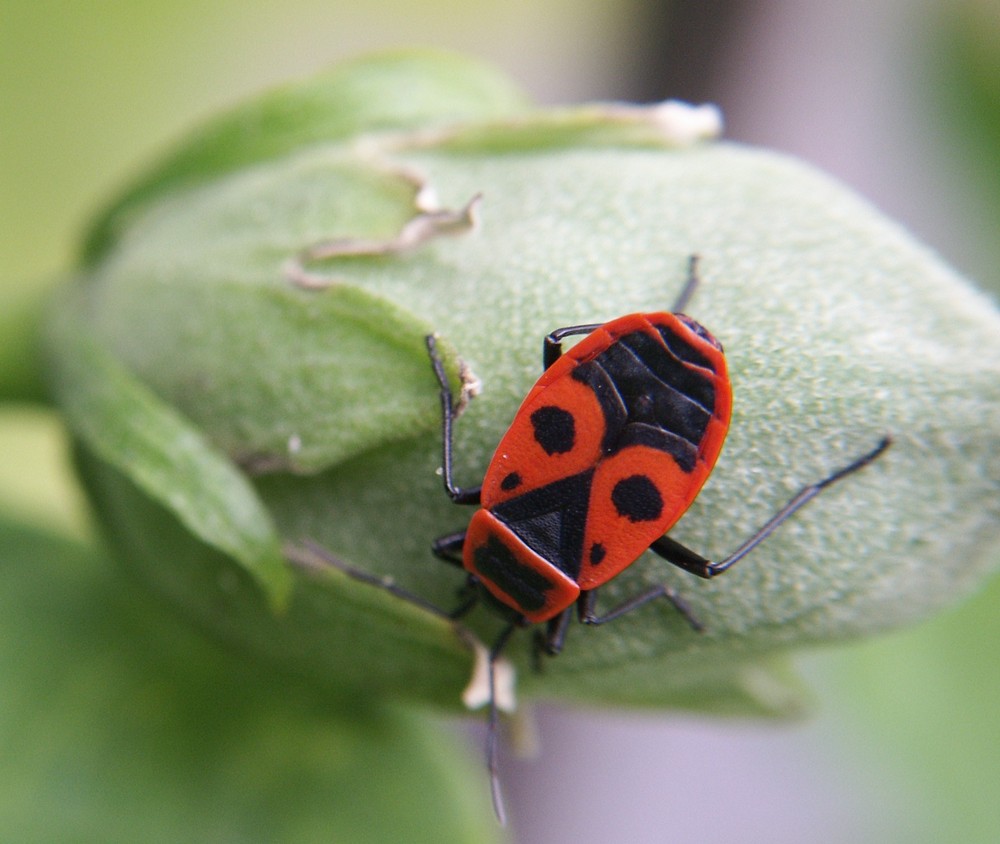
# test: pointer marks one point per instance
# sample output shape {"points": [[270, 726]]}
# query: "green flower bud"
{"points": [[241, 359]]}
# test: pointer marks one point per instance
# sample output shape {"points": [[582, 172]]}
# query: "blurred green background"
{"points": [[899, 99]]}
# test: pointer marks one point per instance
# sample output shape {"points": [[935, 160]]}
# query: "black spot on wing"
{"points": [[597, 553], [510, 481], [555, 429], [637, 499]]}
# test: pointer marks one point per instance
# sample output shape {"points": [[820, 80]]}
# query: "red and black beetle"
{"points": [[607, 451]]}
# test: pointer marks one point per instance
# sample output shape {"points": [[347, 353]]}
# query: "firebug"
{"points": [[607, 451]]}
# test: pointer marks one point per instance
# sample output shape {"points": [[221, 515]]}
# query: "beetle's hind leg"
{"points": [[549, 642], [673, 552], [586, 606]]}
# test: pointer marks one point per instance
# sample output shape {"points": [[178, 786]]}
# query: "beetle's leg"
{"points": [[449, 548], [685, 558], [588, 615], [469, 594], [460, 495], [552, 346], [538, 651], [680, 303], [551, 641]]}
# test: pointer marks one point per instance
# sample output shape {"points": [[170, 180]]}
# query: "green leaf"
{"points": [[119, 723], [399, 90], [838, 328], [268, 368], [170, 460], [326, 633]]}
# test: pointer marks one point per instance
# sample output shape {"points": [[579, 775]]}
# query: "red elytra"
{"points": [[607, 451]]}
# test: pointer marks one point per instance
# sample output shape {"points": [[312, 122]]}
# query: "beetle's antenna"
{"points": [[493, 725]]}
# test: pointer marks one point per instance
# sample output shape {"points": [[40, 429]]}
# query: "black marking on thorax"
{"points": [[650, 395], [551, 520], [496, 563]]}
